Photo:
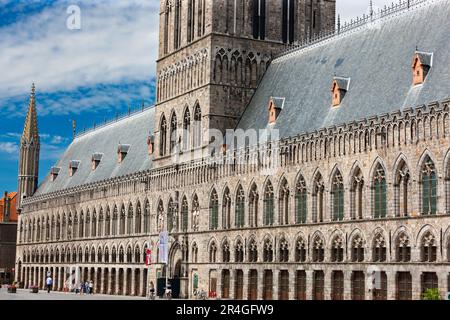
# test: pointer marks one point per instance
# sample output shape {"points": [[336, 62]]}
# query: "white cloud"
{"points": [[116, 43], [9, 148]]}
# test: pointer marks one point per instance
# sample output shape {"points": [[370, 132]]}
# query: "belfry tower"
{"points": [[29, 153], [212, 55]]}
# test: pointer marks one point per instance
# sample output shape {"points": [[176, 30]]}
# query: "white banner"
{"points": [[163, 247]]}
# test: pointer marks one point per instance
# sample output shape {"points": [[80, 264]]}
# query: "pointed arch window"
{"points": [[177, 25], [300, 250], [240, 208], [337, 194], [284, 251], [226, 209], [337, 250], [137, 221], [403, 248], [358, 249], [147, 217], [379, 248], [300, 201], [163, 136], [288, 21], [201, 17], [130, 219], [172, 216], [212, 252], [166, 27], [428, 248], [379, 193], [213, 211], [122, 221], [191, 21], [268, 251], [259, 19], [101, 223], [226, 252], [318, 253], [268, 205], [114, 221], [94, 224], [429, 187], [239, 252], [108, 222]]}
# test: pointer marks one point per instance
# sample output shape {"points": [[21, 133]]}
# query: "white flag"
{"points": [[163, 247]]}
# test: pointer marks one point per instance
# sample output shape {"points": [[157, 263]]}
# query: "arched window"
{"points": [[212, 252], [337, 249], [268, 205], [94, 224], [186, 127], [197, 139], [201, 18], [284, 251], [318, 253], [337, 194], [429, 187], [259, 19], [300, 250], [101, 223], [239, 252], [253, 251], [379, 248], [122, 220], [107, 255], [357, 249], [379, 193], [191, 21], [129, 255], [403, 248], [121, 255], [166, 27], [184, 214], [81, 226], [99, 255], [288, 21], [401, 190], [130, 219], [300, 201], [87, 226], [173, 132], [177, 25], [283, 203], [147, 217], [172, 217], [356, 195], [92, 255], [137, 254], [213, 211], [226, 252], [137, 221], [240, 208], [428, 248], [226, 209], [163, 136], [318, 192], [268, 251]]}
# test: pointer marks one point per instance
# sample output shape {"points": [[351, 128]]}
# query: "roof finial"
{"points": [[74, 128], [33, 90]]}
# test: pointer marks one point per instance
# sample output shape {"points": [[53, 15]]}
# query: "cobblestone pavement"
{"points": [[23, 294]]}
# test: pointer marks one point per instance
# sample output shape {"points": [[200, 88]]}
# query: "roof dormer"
{"points": [[275, 107], [54, 172], [339, 89], [96, 158], [122, 152], [421, 65], [151, 144], [73, 167]]}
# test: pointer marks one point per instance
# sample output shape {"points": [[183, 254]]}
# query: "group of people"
{"points": [[85, 287]]}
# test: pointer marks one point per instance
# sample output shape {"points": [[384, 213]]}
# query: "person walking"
{"points": [[86, 286], [49, 283], [91, 287]]}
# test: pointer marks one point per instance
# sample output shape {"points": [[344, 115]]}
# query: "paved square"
{"points": [[24, 294]]}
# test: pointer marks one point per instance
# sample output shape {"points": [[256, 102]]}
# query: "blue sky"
{"points": [[86, 74]]}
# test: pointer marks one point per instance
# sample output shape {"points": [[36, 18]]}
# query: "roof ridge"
{"points": [[401, 7]]}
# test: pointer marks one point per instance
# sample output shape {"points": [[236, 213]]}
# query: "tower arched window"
{"points": [[163, 136], [212, 252], [379, 193], [288, 21], [177, 25], [191, 21], [300, 201], [137, 220], [240, 208], [201, 18], [213, 211], [268, 205], [259, 19], [130, 219], [429, 187], [166, 26], [172, 218], [337, 194]]}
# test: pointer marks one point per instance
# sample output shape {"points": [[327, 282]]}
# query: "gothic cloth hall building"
{"points": [[361, 185]]}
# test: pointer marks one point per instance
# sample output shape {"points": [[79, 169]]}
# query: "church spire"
{"points": [[29, 153], [30, 130]]}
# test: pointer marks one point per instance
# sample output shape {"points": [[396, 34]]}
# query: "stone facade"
{"points": [[355, 211]]}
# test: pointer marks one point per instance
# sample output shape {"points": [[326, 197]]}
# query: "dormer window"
{"points": [[275, 107], [122, 152], [421, 66], [339, 90], [54, 172], [96, 158], [151, 144], [73, 167]]}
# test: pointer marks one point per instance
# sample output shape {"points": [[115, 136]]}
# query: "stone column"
{"points": [[141, 282], [219, 283], [276, 284], [292, 284], [232, 286], [309, 284], [327, 284], [102, 281], [108, 282], [116, 291], [416, 284], [391, 285], [347, 284], [244, 283], [443, 282]]}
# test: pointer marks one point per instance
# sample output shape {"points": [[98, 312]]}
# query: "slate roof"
{"points": [[130, 133], [376, 56]]}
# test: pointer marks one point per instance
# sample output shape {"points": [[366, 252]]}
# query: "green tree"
{"points": [[431, 294]]}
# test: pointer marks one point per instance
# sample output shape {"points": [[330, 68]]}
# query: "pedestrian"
{"points": [[82, 288], [91, 287], [86, 286], [49, 283]]}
